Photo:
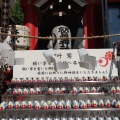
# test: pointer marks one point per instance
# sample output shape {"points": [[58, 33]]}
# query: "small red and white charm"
{"points": [[37, 105], [53, 105], [30, 104], [17, 104], [23, 104]]}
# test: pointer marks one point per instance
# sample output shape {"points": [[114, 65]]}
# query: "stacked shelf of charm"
{"points": [[88, 98], [7, 75]]}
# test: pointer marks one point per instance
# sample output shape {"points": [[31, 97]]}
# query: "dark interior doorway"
{"points": [[76, 31], [72, 15]]}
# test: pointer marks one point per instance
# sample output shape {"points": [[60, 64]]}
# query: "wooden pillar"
{"points": [[89, 26], [31, 21], [85, 30]]}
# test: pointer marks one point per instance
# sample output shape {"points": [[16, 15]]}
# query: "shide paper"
{"points": [[87, 61], [58, 65], [8, 56], [48, 55], [4, 46]]}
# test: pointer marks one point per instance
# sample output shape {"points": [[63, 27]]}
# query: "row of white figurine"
{"points": [[67, 104], [63, 79], [57, 90], [65, 118]]}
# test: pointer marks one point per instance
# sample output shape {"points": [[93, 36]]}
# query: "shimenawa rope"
{"points": [[61, 38]]}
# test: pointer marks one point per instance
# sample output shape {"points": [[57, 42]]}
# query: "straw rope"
{"points": [[61, 38]]}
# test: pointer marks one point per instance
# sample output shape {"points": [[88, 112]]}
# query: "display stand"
{"points": [[104, 93]]}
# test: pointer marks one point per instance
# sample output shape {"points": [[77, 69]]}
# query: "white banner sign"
{"points": [[36, 65]]}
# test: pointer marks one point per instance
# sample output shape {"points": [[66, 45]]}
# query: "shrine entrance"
{"points": [[52, 13]]}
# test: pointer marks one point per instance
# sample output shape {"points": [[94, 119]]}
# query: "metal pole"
{"points": [[105, 22]]}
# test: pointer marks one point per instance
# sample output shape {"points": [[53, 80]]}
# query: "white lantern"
{"points": [[60, 32]]}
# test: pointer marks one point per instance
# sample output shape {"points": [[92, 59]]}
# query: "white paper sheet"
{"points": [[19, 61], [5, 46], [91, 59], [82, 52], [87, 65], [48, 55], [8, 56], [1, 62], [59, 65], [87, 61]]}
